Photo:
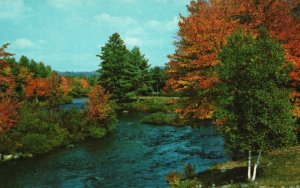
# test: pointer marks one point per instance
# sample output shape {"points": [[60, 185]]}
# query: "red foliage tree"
{"points": [[8, 113], [98, 106], [8, 105]]}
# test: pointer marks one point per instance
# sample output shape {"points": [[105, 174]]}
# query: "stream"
{"points": [[133, 155]]}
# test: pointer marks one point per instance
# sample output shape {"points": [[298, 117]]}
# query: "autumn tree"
{"points": [[99, 109], [254, 110], [203, 33], [191, 69], [65, 85], [8, 104], [37, 88]]}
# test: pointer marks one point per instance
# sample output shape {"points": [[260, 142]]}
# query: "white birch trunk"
{"points": [[249, 165], [255, 167]]}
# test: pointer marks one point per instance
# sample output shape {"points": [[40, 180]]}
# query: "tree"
{"points": [[159, 78], [8, 113], [141, 80], [254, 110], [99, 109], [37, 88], [114, 72], [203, 33], [8, 104], [65, 85]]}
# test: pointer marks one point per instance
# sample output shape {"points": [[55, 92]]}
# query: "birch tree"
{"points": [[254, 110]]}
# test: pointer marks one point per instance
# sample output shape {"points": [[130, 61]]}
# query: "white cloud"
{"points": [[12, 9], [115, 20], [24, 43], [132, 41]]}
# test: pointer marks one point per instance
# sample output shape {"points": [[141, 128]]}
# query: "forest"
{"points": [[236, 66]]}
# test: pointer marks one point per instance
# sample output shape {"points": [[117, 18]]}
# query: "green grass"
{"points": [[149, 104], [278, 168], [162, 118]]}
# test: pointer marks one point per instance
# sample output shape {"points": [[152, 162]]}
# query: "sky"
{"points": [[68, 34]]}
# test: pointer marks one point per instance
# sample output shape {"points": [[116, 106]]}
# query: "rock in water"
{"points": [[7, 157]]}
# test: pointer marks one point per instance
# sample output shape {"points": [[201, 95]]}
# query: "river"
{"points": [[134, 155]]}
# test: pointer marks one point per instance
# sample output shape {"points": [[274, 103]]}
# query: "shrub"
{"points": [[97, 132], [7, 145], [75, 124], [36, 143], [173, 178]]}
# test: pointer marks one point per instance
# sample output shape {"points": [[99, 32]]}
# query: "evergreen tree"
{"points": [[115, 68], [141, 76], [124, 73], [159, 77], [254, 109]]}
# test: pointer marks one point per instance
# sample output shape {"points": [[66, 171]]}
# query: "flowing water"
{"points": [[134, 155]]}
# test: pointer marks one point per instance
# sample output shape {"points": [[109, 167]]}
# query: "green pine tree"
{"points": [[141, 76], [115, 71]]}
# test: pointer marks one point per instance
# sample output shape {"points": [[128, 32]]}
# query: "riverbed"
{"points": [[133, 155]]}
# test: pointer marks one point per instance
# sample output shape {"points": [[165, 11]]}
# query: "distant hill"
{"points": [[79, 74]]}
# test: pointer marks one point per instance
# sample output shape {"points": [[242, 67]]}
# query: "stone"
{"points": [[70, 146], [17, 155], [7, 157], [27, 155]]}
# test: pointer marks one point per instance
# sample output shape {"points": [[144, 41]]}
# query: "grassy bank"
{"points": [[280, 168], [148, 104], [162, 118]]}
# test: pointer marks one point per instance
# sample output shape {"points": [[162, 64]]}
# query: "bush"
{"points": [[74, 122], [97, 132], [173, 178], [7, 145], [36, 143]]}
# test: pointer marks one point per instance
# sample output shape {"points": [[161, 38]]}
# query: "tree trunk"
{"points": [[249, 165], [255, 166]]}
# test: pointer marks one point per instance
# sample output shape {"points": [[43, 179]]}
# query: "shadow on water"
{"points": [[134, 155]]}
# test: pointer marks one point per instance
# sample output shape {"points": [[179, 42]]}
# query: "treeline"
{"points": [[31, 119], [33, 80], [237, 62], [125, 73]]}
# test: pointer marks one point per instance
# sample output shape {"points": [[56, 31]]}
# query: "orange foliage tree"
{"points": [[202, 35], [99, 109], [37, 88], [65, 85]]}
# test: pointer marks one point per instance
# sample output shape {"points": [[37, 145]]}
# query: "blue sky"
{"points": [[67, 34]]}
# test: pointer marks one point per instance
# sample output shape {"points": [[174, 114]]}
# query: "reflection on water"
{"points": [[134, 155]]}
